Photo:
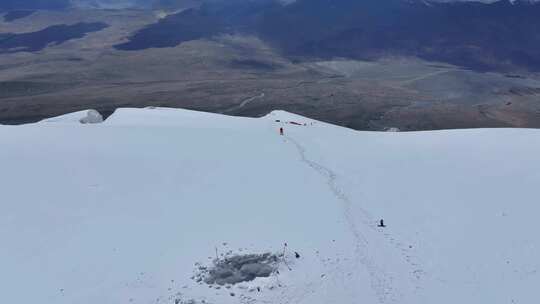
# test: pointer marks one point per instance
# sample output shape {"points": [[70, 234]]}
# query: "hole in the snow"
{"points": [[239, 268]]}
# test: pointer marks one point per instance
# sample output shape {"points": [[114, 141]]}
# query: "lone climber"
{"points": [[381, 224], [280, 131]]}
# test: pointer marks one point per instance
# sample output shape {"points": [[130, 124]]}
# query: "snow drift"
{"points": [[84, 117]]}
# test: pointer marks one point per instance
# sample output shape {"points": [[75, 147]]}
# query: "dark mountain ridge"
{"points": [[17, 14], [52, 35], [7, 5], [497, 36]]}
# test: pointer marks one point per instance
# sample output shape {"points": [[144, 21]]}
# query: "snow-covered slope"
{"points": [[120, 212], [84, 117]]}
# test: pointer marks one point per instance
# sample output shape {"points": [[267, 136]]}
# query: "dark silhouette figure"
{"points": [[280, 131], [381, 224], [297, 255]]}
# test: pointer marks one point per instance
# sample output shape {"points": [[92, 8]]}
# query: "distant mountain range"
{"points": [[94, 4], [503, 35], [33, 4], [120, 4], [480, 36]]}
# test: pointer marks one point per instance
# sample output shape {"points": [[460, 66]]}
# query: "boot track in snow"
{"points": [[381, 282]]}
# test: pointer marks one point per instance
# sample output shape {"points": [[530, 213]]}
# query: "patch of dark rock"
{"points": [[253, 65], [18, 14], [52, 35], [210, 19], [239, 268], [173, 30]]}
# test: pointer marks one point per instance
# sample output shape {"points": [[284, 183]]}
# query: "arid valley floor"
{"points": [[242, 75]]}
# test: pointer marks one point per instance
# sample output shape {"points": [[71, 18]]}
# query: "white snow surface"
{"points": [[83, 117], [120, 212]]}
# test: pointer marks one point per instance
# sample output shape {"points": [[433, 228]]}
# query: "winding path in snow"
{"points": [[381, 282], [244, 103]]}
